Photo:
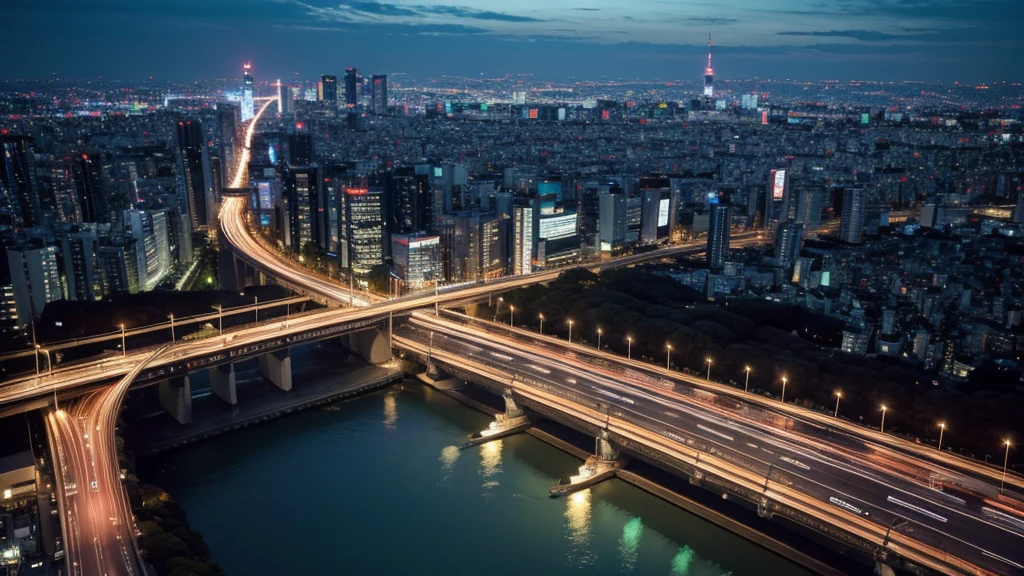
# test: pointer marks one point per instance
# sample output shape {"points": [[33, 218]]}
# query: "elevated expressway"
{"points": [[859, 492]]}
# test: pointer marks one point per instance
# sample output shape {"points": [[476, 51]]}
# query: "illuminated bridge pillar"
{"points": [[512, 410], [371, 344], [222, 381], [176, 398], [604, 448], [277, 367]]}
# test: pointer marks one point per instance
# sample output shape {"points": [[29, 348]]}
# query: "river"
{"points": [[375, 485]]}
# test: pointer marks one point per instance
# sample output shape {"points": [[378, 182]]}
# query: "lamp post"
{"points": [[746, 383], [257, 305], [668, 358], [839, 396], [708, 360], [570, 331], [38, 347], [942, 429], [598, 338], [171, 316], [220, 318], [882, 427], [124, 351], [541, 316], [36, 355], [783, 389], [629, 347], [511, 316], [49, 366], [1006, 460]]}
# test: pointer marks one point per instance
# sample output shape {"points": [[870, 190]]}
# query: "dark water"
{"points": [[376, 486]]}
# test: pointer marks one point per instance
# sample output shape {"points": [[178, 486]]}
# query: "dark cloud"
{"points": [[862, 35], [710, 21], [460, 12]]}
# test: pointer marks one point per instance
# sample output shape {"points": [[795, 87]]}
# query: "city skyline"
{"points": [[852, 40]]}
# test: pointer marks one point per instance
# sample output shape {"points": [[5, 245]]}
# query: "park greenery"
{"points": [[775, 341]]}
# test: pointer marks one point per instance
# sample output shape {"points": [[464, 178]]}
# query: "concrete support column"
{"points": [[371, 344], [512, 410], [176, 398], [222, 382], [604, 448], [277, 367]]}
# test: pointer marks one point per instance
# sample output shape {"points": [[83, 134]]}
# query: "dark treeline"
{"points": [[774, 340]]}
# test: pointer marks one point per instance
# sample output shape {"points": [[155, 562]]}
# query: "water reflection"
{"points": [[577, 520], [490, 464], [449, 454], [629, 544], [681, 563], [390, 409]]}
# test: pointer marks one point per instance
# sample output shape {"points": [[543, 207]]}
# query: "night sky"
{"points": [[947, 40]]}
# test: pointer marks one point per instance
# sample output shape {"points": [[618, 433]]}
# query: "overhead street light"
{"points": [[570, 331], [783, 389], [708, 360], [124, 351], [598, 338], [629, 347], [541, 316], [512, 315], [1006, 460], [746, 383], [882, 428], [668, 358], [839, 396], [942, 430]]}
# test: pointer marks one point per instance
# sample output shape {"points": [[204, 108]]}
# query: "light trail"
{"points": [[249, 131]]}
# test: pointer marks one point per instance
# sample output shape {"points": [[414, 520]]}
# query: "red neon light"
{"points": [[357, 191]]}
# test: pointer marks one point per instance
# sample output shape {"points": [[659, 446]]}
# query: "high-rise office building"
{"points": [[522, 240], [284, 99], [327, 89], [611, 220], [776, 199], [788, 236], [78, 253], [192, 162], [35, 279], [363, 225], [19, 197], [303, 193], [112, 267], [300, 149], [351, 87], [248, 96], [416, 259], [718, 235], [379, 94], [412, 211], [851, 221], [709, 75], [87, 173]]}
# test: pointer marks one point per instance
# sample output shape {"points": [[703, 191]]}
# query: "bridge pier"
{"points": [[512, 410], [372, 345], [176, 398], [277, 367], [222, 382], [604, 448]]}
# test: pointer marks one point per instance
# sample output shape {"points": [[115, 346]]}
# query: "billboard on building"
{"points": [[557, 227], [778, 184], [265, 195], [663, 207]]}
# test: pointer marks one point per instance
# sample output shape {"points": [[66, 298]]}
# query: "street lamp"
{"points": [[124, 351], [171, 316], [570, 331], [839, 396], [1006, 460], [942, 429], [746, 383], [257, 305], [220, 317], [882, 427], [598, 338], [668, 358], [783, 389], [629, 347], [49, 366], [708, 360], [541, 316], [511, 316]]}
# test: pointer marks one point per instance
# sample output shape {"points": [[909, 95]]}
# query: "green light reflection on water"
{"points": [[629, 544]]}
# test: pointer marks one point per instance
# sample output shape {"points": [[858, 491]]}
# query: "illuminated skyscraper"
{"points": [[851, 221], [362, 229], [379, 97], [709, 74], [191, 151], [248, 104], [351, 87], [522, 241], [87, 175], [19, 198], [284, 99], [788, 236], [718, 235], [327, 90]]}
